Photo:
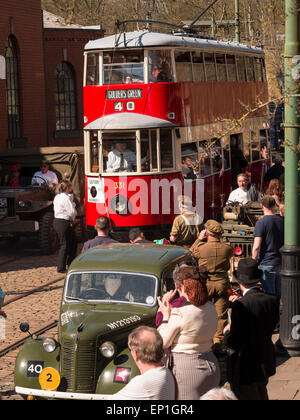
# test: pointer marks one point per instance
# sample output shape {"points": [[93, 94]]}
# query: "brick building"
{"points": [[41, 70]]}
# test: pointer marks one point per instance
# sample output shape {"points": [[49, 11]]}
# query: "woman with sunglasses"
{"points": [[189, 331]]}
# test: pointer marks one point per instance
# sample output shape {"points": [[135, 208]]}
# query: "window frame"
{"points": [[72, 115]]}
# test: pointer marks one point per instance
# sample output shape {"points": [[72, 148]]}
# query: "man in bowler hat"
{"points": [[253, 320]]}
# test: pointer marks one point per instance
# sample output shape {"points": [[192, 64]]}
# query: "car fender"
{"points": [[31, 360], [117, 373]]}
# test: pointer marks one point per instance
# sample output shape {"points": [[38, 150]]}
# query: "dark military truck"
{"points": [[28, 209], [109, 291]]}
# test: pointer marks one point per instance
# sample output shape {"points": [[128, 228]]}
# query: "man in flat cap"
{"points": [[253, 319], [215, 255], [186, 226]]}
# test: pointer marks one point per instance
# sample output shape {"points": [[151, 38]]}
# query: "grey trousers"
{"points": [[195, 374]]}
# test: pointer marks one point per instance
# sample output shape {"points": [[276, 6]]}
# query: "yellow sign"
{"points": [[49, 379]]}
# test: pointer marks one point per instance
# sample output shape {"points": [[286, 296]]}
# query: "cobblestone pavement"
{"points": [[26, 269], [32, 270]]}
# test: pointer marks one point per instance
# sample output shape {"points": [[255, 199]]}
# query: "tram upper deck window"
{"points": [[231, 68], [240, 61], [210, 67], [119, 152], [123, 67], [92, 73], [160, 69], [183, 66], [166, 149], [258, 69], [221, 67], [198, 66], [204, 158], [250, 69]]}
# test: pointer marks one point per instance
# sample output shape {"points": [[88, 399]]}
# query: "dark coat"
{"points": [[253, 320]]}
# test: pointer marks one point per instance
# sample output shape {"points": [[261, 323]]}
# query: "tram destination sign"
{"points": [[124, 94]]}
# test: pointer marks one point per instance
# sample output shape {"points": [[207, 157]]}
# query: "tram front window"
{"points": [[160, 69], [121, 155], [123, 67]]}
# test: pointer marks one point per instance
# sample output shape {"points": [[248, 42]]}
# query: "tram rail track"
{"points": [[19, 343], [41, 288]]}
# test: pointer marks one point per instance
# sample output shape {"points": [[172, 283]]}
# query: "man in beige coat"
{"points": [[215, 255]]}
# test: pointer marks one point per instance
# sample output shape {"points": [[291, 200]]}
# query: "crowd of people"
{"points": [[179, 358]]}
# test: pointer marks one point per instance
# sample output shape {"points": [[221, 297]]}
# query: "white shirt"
{"points": [[49, 177], [155, 384], [129, 161], [64, 207], [239, 196]]}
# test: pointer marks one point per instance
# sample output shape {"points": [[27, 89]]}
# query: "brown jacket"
{"points": [[185, 233], [215, 255]]}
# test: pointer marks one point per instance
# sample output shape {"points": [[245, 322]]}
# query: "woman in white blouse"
{"points": [[64, 216], [189, 331]]}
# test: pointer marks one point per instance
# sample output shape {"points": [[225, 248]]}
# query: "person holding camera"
{"points": [[215, 255]]}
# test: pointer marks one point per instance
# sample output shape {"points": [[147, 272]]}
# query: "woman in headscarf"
{"points": [[189, 331]]}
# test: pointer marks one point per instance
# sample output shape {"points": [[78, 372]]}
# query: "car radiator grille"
{"points": [[11, 211], [78, 366]]}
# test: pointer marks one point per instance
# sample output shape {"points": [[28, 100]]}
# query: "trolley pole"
{"points": [[290, 270], [237, 21]]}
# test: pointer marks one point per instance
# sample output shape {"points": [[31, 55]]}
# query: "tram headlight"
{"points": [[119, 205], [49, 345], [108, 349]]}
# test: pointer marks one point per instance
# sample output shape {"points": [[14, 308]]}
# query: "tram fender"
{"points": [[31, 360], [117, 373]]}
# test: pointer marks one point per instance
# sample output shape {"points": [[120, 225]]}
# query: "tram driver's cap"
{"points": [[214, 227]]}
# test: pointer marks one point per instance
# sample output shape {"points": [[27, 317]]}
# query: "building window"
{"points": [[12, 89], [65, 97]]}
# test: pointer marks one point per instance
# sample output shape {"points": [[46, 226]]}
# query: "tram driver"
{"points": [[122, 159]]}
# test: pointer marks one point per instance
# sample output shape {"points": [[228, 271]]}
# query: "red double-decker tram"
{"points": [[152, 99]]}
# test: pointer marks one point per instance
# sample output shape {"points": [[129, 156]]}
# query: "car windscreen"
{"points": [[112, 287]]}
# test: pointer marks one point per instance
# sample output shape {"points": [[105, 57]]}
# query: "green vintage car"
{"points": [[109, 291]]}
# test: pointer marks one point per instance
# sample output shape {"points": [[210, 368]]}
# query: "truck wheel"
{"points": [[48, 240]]}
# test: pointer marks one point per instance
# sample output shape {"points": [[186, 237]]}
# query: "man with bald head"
{"points": [[156, 381]]}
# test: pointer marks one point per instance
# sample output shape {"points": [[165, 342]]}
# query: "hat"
{"points": [[247, 271], [185, 201], [214, 227], [15, 167]]}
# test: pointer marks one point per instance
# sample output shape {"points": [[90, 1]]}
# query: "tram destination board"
{"points": [[124, 94]]}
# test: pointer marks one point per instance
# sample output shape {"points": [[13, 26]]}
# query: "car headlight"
{"points": [[22, 204], [108, 349], [49, 345]]}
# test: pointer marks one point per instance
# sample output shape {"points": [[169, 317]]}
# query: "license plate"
{"points": [[3, 203]]}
